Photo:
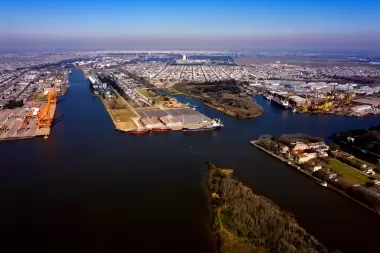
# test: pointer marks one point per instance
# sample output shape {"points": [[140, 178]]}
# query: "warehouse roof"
{"points": [[297, 99]]}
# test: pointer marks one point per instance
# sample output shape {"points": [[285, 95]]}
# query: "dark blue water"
{"points": [[91, 188]]}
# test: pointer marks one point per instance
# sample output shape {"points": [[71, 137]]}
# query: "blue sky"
{"points": [[146, 23]]}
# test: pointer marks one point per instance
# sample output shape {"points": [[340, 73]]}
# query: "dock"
{"points": [[46, 130]]}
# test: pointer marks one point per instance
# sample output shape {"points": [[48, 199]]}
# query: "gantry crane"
{"points": [[325, 106], [44, 117]]}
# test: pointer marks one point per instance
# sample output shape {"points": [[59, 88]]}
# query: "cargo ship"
{"points": [[216, 124], [139, 131], [161, 129]]}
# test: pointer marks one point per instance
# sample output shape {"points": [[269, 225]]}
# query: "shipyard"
{"points": [[29, 101]]}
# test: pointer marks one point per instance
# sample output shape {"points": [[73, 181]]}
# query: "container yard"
{"points": [[26, 122], [32, 119]]}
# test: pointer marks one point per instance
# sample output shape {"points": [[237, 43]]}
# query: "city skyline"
{"points": [[194, 25]]}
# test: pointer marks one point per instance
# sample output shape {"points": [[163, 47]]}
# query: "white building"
{"points": [[361, 108]]}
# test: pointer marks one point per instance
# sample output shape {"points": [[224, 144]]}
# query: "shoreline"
{"points": [[254, 143]]}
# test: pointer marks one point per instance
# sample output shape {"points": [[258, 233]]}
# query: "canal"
{"points": [[91, 188]]}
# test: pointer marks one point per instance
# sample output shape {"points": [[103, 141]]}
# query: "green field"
{"points": [[350, 174], [147, 93]]}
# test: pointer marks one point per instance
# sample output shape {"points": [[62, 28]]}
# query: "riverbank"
{"points": [[298, 168], [246, 222]]}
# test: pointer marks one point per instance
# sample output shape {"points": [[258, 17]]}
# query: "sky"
{"points": [[195, 24]]}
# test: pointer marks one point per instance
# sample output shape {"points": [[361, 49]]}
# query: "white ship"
{"points": [[284, 103]]}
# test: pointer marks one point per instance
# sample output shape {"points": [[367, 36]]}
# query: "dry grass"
{"points": [[122, 116]]}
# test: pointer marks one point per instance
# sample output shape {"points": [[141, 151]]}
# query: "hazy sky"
{"points": [[234, 24]]}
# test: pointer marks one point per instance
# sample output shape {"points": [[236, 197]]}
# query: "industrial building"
{"points": [[361, 108], [297, 100]]}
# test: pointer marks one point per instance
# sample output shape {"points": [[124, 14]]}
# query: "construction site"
{"points": [[347, 103], [32, 119]]}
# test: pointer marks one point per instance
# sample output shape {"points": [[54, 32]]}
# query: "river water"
{"points": [[91, 188]]}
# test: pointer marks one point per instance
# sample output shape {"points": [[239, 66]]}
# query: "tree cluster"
{"points": [[259, 220], [11, 104]]}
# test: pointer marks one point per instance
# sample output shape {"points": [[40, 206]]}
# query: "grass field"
{"points": [[122, 115], [145, 92], [350, 174]]}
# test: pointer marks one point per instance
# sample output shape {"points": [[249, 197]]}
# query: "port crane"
{"points": [[349, 96], [44, 117], [325, 106]]}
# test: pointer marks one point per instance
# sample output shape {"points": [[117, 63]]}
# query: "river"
{"points": [[91, 188]]}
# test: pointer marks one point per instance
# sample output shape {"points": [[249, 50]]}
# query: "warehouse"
{"points": [[361, 108], [297, 100]]}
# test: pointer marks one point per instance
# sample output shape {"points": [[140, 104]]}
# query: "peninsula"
{"points": [[246, 222], [225, 96]]}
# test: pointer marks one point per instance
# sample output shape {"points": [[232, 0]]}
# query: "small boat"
{"points": [[45, 137], [323, 184], [161, 129], [294, 109], [139, 131]]}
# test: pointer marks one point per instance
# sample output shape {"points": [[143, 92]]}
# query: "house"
{"points": [[332, 175], [300, 146], [285, 149], [322, 154], [313, 167], [304, 157]]}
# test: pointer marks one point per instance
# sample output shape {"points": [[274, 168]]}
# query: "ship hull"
{"points": [[161, 129], [137, 132], [200, 129]]}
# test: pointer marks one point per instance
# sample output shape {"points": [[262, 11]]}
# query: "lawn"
{"points": [[350, 174], [122, 114], [147, 93]]}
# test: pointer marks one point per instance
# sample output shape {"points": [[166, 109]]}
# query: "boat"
{"points": [[70, 71], [284, 103], [323, 184], [192, 106], [215, 124], [139, 131], [45, 137], [294, 109], [268, 97], [160, 129]]}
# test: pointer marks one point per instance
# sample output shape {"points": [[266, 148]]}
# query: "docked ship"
{"points": [[215, 124], [284, 103], [161, 129], [268, 97], [70, 71], [139, 131]]}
